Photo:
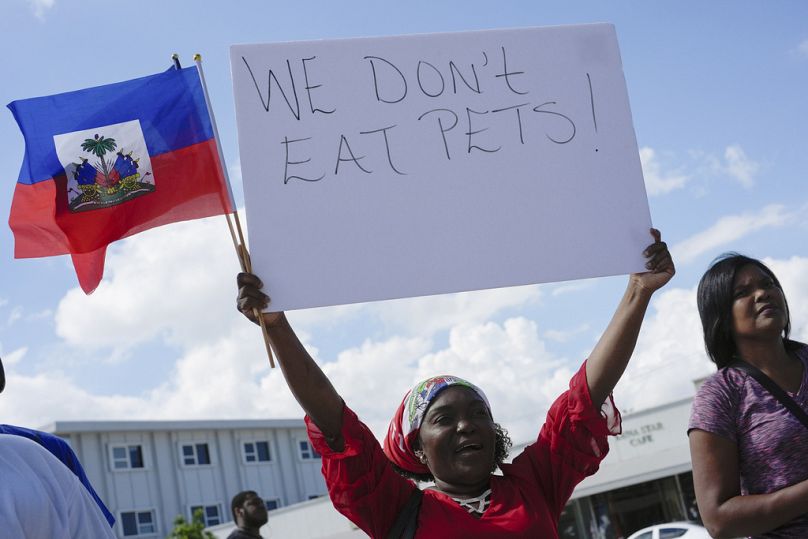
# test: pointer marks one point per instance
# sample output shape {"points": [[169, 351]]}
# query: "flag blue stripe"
{"points": [[170, 106]]}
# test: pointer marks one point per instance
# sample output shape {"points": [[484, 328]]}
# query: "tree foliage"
{"points": [[190, 530]]}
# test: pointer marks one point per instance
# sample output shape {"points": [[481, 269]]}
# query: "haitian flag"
{"points": [[107, 162]]}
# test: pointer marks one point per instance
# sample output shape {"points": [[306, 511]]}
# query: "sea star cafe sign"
{"points": [[403, 166]]}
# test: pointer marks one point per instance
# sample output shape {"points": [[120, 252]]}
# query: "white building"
{"points": [[148, 472]]}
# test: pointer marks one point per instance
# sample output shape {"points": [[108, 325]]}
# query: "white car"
{"points": [[673, 530]]}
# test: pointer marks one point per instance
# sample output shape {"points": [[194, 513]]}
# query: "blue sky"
{"points": [[717, 91]]}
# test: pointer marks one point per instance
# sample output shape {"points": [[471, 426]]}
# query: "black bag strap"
{"points": [[407, 521], [774, 389]]}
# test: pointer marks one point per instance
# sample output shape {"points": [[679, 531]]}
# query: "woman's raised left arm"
{"points": [[610, 357]]}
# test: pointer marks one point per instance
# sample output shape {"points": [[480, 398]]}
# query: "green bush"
{"points": [[190, 530]]}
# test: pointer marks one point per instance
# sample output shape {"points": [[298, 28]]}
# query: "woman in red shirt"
{"points": [[443, 431]]}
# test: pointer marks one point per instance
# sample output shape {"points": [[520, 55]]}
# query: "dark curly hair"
{"points": [[503, 445]]}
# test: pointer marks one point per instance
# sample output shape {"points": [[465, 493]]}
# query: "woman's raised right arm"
{"points": [[309, 384], [725, 512]]}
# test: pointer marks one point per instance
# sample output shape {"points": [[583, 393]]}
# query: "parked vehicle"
{"points": [[672, 530]]}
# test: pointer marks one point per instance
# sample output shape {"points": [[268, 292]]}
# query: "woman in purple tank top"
{"points": [[750, 454]]}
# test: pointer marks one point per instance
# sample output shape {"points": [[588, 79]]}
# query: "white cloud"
{"points": [[33, 401], [565, 335], [40, 315], [326, 316], [17, 313], [571, 287], [430, 314], [734, 164], [14, 357], [173, 282], [658, 181], [669, 355], [228, 377], [373, 377], [511, 364], [739, 167], [793, 276], [224, 379], [14, 315], [661, 178], [41, 6], [729, 229]]}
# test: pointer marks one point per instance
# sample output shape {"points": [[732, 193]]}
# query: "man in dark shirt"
{"points": [[249, 514]]}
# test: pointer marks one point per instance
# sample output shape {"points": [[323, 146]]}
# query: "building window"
{"points": [[127, 457], [272, 504], [195, 454], [211, 514], [307, 452], [256, 452], [138, 523]]}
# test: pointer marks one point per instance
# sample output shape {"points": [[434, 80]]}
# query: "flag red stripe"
{"points": [[31, 220], [188, 185]]}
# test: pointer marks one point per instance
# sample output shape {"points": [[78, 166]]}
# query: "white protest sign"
{"points": [[403, 166]]}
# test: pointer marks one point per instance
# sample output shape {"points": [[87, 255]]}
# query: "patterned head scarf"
{"points": [[403, 430]]}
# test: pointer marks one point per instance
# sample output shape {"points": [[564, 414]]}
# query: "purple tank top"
{"points": [[772, 443]]}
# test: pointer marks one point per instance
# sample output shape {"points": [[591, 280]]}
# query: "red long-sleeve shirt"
{"points": [[526, 500]]}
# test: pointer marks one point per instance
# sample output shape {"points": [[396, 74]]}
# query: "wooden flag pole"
{"points": [[238, 243]]}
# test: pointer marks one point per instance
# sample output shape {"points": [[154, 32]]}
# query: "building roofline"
{"points": [[632, 414], [655, 408], [67, 427]]}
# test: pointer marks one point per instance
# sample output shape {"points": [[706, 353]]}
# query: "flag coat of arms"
{"points": [[104, 163]]}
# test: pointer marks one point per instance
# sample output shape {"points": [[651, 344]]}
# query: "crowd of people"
{"points": [[748, 448], [433, 473]]}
